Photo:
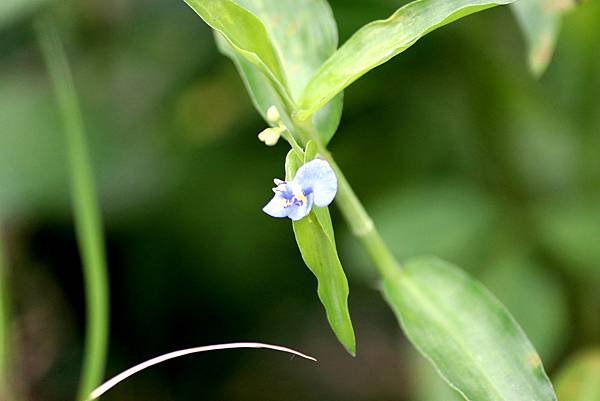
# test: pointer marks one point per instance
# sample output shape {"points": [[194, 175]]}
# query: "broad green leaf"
{"points": [[379, 41], [579, 380], [466, 333], [540, 23], [316, 241], [304, 35]]}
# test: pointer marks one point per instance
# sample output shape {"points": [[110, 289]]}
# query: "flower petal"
{"points": [[317, 177], [298, 212], [276, 207]]}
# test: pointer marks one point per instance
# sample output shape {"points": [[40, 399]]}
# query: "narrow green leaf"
{"points": [[379, 41], [88, 221], [579, 380], [304, 35], [315, 238], [466, 333], [540, 23]]}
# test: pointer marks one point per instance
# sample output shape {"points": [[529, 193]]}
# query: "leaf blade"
{"points": [[303, 33], [315, 239], [379, 41], [245, 33], [480, 351]]}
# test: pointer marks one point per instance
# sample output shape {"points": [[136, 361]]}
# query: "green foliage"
{"points": [[466, 333], [88, 221], [302, 34], [316, 241], [579, 380], [244, 32], [399, 157], [379, 41], [540, 21]]}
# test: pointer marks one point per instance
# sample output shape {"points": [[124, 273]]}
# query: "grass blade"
{"points": [[87, 215]]}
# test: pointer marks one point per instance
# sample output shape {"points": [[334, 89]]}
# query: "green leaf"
{"points": [[316, 241], [246, 35], [540, 23], [86, 209], [379, 41], [310, 152], [466, 333], [304, 35], [579, 379], [262, 91]]}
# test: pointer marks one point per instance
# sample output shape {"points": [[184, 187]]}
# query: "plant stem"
{"points": [[4, 327], [354, 213], [87, 215]]}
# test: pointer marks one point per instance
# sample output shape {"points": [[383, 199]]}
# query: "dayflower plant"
{"points": [[314, 183], [286, 52]]}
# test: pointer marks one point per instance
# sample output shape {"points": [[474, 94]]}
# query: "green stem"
{"points": [[4, 328], [87, 215], [354, 213]]}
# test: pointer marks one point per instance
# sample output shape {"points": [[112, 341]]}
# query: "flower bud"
{"points": [[269, 136], [273, 116]]}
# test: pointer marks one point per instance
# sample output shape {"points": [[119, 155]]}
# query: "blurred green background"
{"points": [[455, 149]]}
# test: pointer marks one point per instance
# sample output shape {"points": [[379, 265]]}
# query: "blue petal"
{"points": [[297, 212], [317, 177], [276, 207]]}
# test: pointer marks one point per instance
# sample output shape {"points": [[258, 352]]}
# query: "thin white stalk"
{"points": [[176, 354]]}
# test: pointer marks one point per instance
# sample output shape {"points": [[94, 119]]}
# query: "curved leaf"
{"points": [[315, 238], [245, 33], [379, 41], [579, 380], [467, 334], [262, 91], [304, 35]]}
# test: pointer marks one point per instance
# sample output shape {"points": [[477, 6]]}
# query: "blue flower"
{"points": [[314, 183]]}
